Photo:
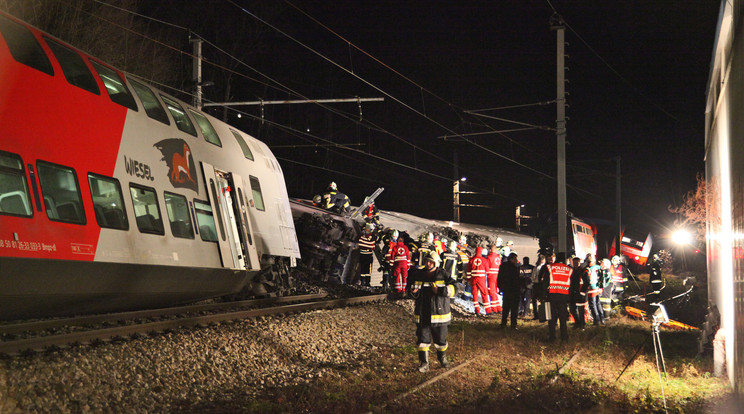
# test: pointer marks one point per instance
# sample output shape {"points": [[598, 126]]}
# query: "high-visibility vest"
{"points": [[560, 278]]}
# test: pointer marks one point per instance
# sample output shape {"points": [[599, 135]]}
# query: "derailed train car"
{"points": [[328, 241], [115, 195]]}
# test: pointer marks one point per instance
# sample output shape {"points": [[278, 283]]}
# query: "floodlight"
{"points": [[660, 315], [682, 237]]}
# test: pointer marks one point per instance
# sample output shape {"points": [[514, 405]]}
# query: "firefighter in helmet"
{"points": [[432, 289], [366, 244]]}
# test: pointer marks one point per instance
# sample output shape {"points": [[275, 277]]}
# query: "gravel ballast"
{"points": [[192, 368]]}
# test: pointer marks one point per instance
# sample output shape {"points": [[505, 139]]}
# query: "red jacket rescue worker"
{"points": [[492, 275], [432, 288], [401, 262], [557, 277], [477, 271]]}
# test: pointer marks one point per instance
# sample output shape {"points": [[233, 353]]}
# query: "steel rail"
{"points": [[147, 313], [16, 347]]}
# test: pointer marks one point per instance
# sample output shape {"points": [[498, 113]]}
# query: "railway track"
{"points": [[180, 317]]}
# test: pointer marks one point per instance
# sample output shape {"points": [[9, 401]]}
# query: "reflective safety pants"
{"points": [[425, 332], [493, 295], [400, 274], [606, 300], [480, 289]]}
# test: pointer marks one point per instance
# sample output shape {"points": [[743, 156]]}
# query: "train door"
{"points": [[235, 237]]}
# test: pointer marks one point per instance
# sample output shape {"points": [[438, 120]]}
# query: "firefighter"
{"points": [[401, 263], [422, 248], [508, 280], [577, 291], [607, 287], [557, 277], [439, 245], [595, 289], [619, 279], [507, 249], [432, 288], [366, 245], [464, 253], [371, 214], [494, 264], [525, 286], [477, 271], [655, 278], [451, 261], [336, 201]]}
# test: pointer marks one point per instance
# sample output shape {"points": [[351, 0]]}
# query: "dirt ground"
{"points": [[605, 369]]}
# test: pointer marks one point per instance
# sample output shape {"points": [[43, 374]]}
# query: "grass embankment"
{"points": [[519, 372]]}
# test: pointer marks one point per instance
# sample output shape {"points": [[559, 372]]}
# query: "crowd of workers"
{"points": [[554, 289], [433, 270]]}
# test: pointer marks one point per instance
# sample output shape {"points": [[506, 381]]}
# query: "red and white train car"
{"points": [[115, 195]]}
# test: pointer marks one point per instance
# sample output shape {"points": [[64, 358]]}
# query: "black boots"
{"points": [[442, 357], [423, 361]]}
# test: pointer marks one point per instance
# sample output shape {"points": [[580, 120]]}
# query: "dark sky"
{"points": [[637, 73]]}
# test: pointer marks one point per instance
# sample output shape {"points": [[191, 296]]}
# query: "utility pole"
{"points": [[455, 191], [618, 207], [196, 71], [557, 24]]}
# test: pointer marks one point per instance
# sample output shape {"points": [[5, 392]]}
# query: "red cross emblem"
{"points": [[401, 250], [477, 262]]}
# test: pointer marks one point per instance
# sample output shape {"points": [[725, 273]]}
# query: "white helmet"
{"points": [[484, 251], [370, 227], [452, 246], [394, 234], [429, 237], [333, 186], [499, 241], [463, 240]]}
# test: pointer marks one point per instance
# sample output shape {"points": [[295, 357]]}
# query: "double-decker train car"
{"points": [[115, 195]]}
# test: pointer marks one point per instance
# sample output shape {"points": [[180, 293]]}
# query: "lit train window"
{"points": [[146, 209], [206, 128], [24, 47], [75, 70], [61, 192], [258, 201], [108, 202], [115, 87], [205, 221], [14, 196], [178, 215], [182, 120], [243, 145], [152, 106]]}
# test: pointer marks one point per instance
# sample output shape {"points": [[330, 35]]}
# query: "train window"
{"points": [[115, 87], [24, 47], [243, 145], [206, 128], [152, 106], [73, 66], [61, 192], [205, 221], [14, 197], [182, 120], [257, 201], [146, 209], [108, 202], [178, 214]]}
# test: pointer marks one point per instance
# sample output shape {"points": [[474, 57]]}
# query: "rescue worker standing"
{"points": [[432, 288], [492, 275], [401, 263], [389, 245], [557, 278], [595, 289], [656, 279], [577, 292], [619, 279], [451, 262], [605, 299], [366, 245], [477, 270], [508, 282]]}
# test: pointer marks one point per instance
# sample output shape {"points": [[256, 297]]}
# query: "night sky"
{"points": [[637, 73], [637, 78]]}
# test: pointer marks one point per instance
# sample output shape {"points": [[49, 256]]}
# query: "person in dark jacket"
{"points": [[432, 288], [508, 283], [578, 293]]}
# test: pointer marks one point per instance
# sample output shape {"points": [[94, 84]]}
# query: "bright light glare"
{"points": [[682, 237]]}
